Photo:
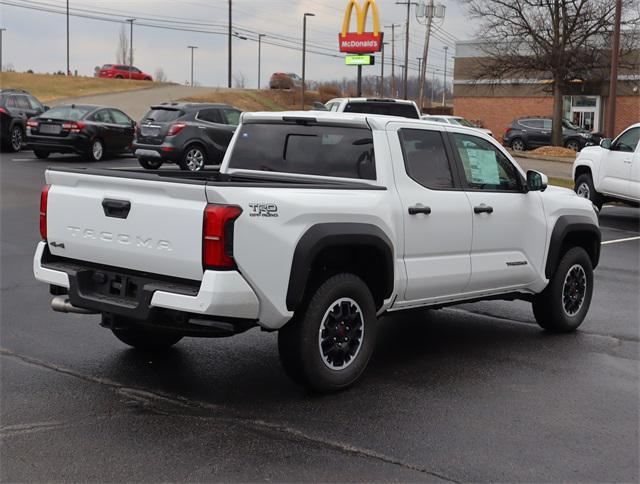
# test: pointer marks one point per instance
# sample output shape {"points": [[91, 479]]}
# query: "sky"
{"points": [[36, 39]]}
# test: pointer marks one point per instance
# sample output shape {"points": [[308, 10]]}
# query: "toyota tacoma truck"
{"points": [[610, 171], [315, 225]]}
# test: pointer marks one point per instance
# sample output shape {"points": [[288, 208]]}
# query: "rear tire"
{"points": [[328, 344], [150, 164], [584, 188], [16, 137], [96, 150], [41, 155], [146, 340], [563, 305], [518, 144]]}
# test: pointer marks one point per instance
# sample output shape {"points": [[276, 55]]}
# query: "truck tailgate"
{"points": [[152, 226]]}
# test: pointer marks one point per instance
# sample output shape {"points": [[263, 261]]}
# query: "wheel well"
{"points": [[364, 261], [192, 144], [587, 240], [583, 170]]}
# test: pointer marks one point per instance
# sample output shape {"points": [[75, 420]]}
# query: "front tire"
{"points": [[573, 144], [328, 344], [150, 164], [563, 305], [584, 188], [146, 340], [41, 155]]}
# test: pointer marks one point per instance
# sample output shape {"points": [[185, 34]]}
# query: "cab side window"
{"points": [[120, 118], [210, 116], [627, 141], [425, 158], [485, 167], [102, 117]]}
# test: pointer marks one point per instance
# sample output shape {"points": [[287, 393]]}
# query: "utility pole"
{"points": [[68, 67], [405, 81], [425, 53], [260, 56], [382, 70], [433, 88], [230, 44], [131, 20], [613, 81], [393, 59], [444, 87], [192, 47], [1, 30], [304, 52]]}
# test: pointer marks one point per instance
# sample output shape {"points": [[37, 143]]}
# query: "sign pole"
{"points": [[359, 81]]}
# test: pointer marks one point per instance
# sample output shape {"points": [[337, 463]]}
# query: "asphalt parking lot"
{"points": [[473, 393]]}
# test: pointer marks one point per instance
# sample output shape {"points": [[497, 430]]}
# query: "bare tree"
{"points": [[560, 41], [239, 80], [122, 51], [160, 75]]}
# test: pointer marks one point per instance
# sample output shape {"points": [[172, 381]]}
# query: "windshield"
{"points": [[462, 122], [68, 113], [570, 125], [163, 115]]}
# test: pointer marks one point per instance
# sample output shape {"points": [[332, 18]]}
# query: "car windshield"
{"points": [[570, 125], [163, 115], [69, 113], [462, 122], [107, 66]]}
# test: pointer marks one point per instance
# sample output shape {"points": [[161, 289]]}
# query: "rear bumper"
{"points": [[219, 294], [71, 144], [165, 152]]}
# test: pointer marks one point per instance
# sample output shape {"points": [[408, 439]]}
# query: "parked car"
{"points": [[285, 80], [534, 131], [610, 171], [455, 121], [192, 135], [316, 224], [121, 71], [87, 130], [386, 107], [16, 108]]}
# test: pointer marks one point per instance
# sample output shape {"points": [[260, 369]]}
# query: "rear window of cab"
{"points": [[333, 151]]}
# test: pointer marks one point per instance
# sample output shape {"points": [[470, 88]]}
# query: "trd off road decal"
{"points": [[263, 210]]}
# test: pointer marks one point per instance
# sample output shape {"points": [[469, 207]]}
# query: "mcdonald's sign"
{"points": [[361, 42]]}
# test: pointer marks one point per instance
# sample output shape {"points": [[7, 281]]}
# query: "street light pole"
{"points": [[68, 67], [444, 87], [260, 56], [131, 20], [192, 47], [230, 45], [304, 52], [613, 81], [1, 30]]}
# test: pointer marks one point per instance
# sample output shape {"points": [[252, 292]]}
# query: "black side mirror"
{"points": [[536, 181], [606, 143]]}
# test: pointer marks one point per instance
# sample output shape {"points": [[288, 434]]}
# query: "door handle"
{"points": [[116, 208], [483, 209], [415, 210]]}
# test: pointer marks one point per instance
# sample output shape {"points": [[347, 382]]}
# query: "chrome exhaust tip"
{"points": [[61, 304]]}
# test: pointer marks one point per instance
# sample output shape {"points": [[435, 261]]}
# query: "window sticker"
{"points": [[484, 167]]}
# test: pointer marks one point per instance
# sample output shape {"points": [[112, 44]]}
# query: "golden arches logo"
{"points": [[362, 13]]}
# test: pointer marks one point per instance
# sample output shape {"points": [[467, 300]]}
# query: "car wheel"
{"points": [[42, 155], [194, 159], [518, 144], [119, 77], [328, 344], [146, 340], [573, 144], [584, 188], [96, 151], [564, 304], [150, 164], [16, 138]]}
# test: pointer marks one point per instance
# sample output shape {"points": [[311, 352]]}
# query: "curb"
{"points": [[557, 159]]}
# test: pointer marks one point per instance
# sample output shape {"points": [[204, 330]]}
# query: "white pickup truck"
{"points": [[316, 225], [610, 171]]}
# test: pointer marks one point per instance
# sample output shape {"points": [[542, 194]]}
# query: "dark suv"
{"points": [[532, 132], [191, 135], [16, 107]]}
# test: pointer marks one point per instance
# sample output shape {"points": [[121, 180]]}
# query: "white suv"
{"points": [[610, 171]]}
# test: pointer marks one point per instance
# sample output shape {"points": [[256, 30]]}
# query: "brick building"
{"points": [[497, 103]]}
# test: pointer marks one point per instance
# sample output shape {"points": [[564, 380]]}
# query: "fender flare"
{"points": [[565, 226], [325, 235]]}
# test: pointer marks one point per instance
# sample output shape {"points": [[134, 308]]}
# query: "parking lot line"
{"points": [[618, 241]]}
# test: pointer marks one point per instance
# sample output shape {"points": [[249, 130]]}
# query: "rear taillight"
{"points": [[507, 131], [217, 243], [176, 128], [74, 127], [44, 198], [3, 111], [32, 123]]}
